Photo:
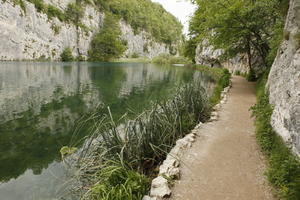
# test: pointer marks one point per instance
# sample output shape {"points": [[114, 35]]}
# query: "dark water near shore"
{"points": [[41, 104]]}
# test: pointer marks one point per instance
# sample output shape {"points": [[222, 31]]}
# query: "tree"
{"points": [[236, 26], [66, 55], [107, 44]]}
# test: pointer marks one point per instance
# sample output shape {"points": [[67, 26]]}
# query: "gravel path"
{"points": [[225, 162]]}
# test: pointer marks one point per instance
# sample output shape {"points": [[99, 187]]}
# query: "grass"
{"points": [[239, 73], [283, 166], [133, 60], [120, 160], [222, 78]]}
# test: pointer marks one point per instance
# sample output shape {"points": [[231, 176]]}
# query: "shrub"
{"points": [[251, 76], [55, 28], [118, 182], [66, 55], [38, 4], [55, 12], [74, 13], [107, 44], [135, 55]]}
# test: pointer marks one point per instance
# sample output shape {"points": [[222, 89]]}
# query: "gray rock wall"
{"points": [[207, 55], [31, 35], [284, 82]]}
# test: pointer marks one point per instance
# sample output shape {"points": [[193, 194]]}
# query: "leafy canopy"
{"points": [[236, 26]]}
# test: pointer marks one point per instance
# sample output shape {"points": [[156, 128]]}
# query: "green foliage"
{"points": [[55, 28], [148, 16], [190, 49], [74, 13], [222, 78], [284, 168], [135, 55], [65, 151], [55, 12], [251, 76], [107, 44], [239, 73], [239, 26], [66, 55], [38, 4], [169, 59], [118, 182]]}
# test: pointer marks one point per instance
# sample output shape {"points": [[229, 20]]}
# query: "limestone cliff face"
{"points": [[207, 55], [32, 35], [284, 82]]}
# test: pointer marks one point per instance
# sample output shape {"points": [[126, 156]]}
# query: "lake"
{"points": [[42, 104]]}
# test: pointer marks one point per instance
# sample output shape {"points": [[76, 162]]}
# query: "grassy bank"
{"points": [[222, 78], [120, 161], [133, 60], [283, 167]]}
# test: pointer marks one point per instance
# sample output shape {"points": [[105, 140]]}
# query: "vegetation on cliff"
{"points": [[66, 55], [283, 166], [107, 44], [142, 15]]}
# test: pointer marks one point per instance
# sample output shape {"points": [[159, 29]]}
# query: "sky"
{"points": [[181, 9]]}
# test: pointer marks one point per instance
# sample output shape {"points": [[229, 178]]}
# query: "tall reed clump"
{"points": [[283, 166], [120, 160]]}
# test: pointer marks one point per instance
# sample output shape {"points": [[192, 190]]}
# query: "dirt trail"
{"points": [[225, 162]]}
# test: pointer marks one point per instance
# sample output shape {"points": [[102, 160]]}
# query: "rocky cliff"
{"points": [[27, 34], [284, 82], [209, 56]]}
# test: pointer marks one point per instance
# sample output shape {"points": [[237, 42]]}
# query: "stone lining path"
{"points": [[225, 162]]}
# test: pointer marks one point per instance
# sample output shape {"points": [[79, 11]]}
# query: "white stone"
{"points": [[160, 187]]}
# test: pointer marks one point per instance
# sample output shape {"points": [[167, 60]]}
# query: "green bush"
{"points": [[107, 44], [283, 166], [66, 55], [135, 55], [74, 13], [55, 12], [39, 5], [251, 76], [118, 182]]}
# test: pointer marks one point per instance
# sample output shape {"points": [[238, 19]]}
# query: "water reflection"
{"points": [[40, 103]]}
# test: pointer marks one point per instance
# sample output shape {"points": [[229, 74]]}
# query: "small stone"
{"points": [[174, 173], [160, 187], [146, 197], [213, 118]]}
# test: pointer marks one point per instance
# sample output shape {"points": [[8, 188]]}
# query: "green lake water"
{"points": [[41, 105]]}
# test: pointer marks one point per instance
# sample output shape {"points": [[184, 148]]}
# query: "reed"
{"points": [[119, 159]]}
